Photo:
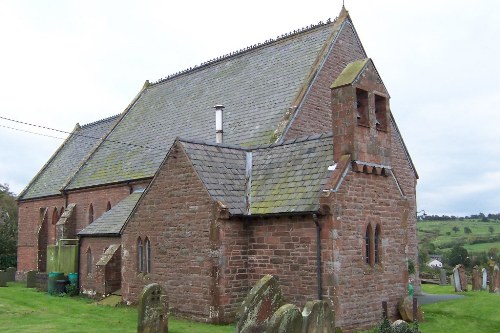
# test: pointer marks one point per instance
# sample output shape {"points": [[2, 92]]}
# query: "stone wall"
{"points": [[178, 217]]}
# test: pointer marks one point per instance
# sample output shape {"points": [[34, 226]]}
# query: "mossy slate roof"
{"points": [[112, 221], [256, 87], [285, 178], [67, 160]]}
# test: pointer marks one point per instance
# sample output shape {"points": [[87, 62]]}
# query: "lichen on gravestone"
{"points": [[152, 310], [318, 317], [287, 319], [259, 306]]}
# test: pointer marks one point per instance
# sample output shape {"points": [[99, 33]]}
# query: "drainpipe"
{"points": [[78, 264], [318, 255]]}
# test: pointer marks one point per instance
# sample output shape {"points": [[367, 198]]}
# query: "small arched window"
{"points": [[140, 256], [55, 216], [368, 244], [376, 244], [91, 213], [148, 256], [108, 206], [90, 261]]}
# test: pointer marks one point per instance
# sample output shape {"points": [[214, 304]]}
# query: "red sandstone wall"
{"points": [[29, 218], [93, 283], [29, 222], [315, 115], [176, 214], [359, 289]]}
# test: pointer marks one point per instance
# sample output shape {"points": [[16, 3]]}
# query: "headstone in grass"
{"points": [[287, 319], [442, 277], [31, 279], [3, 279], [476, 279], [42, 281], [259, 305], [152, 309], [495, 280], [463, 277], [11, 274], [456, 280], [318, 317], [484, 284]]}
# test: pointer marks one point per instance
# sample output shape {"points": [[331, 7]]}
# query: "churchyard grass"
{"points": [[26, 310], [476, 312]]}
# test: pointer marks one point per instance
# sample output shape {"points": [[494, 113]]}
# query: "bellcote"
{"points": [[361, 114]]}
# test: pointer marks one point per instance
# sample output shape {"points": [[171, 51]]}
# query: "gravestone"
{"points": [[456, 279], [463, 277], [11, 274], [259, 305], [153, 307], [476, 279], [31, 279], [484, 284], [405, 307], [442, 277], [318, 317], [495, 280], [42, 279], [452, 280], [287, 319], [3, 279]]}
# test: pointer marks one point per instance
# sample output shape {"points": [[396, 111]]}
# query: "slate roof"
{"points": [[256, 87], [112, 222], [285, 178], [288, 178], [67, 159]]}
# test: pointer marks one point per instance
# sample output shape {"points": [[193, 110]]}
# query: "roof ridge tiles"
{"points": [[100, 121], [245, 50]]}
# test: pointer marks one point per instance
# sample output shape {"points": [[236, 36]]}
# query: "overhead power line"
{"points": [[73, 133], [21, 130]]}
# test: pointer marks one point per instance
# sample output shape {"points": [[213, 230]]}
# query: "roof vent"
{"points": [[219, 133]]}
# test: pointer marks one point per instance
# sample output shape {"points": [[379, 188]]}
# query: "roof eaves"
{"points": [[93, 151], [46, 165]]}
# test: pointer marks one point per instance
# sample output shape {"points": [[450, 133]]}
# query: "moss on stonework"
{"points": [[350, 73]]}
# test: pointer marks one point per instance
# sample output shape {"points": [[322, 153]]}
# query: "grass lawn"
{"points": [[477, 312], [26, 310]]}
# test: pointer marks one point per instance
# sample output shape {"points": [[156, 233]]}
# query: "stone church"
{"points": [[283, 158]]}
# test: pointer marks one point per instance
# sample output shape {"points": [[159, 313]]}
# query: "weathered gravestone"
{"points": [[318, 317], [495, 280], [442, 277], [484, 284], [452, 280], [11, 274], [463, 277], [456, 279], [405, 308], [3, 279], [287, 319], [42, 280], [153, 307], [476, 279], [31, 279], [259, 306]]}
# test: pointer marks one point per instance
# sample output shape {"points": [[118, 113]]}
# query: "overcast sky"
{"points": [[66, 62]]}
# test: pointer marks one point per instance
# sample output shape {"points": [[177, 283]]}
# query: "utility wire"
{"points": [[20, 130], [74, 133]]}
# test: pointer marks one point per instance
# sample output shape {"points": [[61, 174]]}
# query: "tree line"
{"points": [[8, 228], [422, 216]]}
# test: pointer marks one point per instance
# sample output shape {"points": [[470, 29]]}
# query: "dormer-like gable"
{"points": [[361, 114]]}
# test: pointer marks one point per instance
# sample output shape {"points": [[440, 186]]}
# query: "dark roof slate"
{"points": [[288, 178], [256, 87], [112, 222], [66, 161], [285, 178]]}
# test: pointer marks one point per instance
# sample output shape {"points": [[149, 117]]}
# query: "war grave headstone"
{"points": [[152, 310]]}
